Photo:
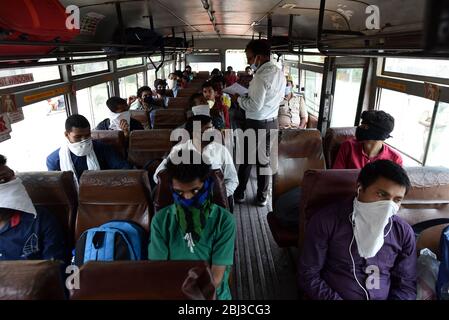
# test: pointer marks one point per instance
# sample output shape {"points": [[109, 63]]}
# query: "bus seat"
{"points": [[56, 191], [145, 146], [187, 92], [179, 103], [115, 138], [312, 122], [333, 139], [113, 195], [169, 118], [145, 280], [427, 200], [31, 280], [430, 238], [202, 75], [163, 196], [299, 150], [142, 116]]}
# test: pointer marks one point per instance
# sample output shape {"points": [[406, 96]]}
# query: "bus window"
{"points": [[346, 96], [440, 138], [86, 68], [236, 59], [39, 74], [414, 68], [151, 77], [312, 90], [129, 62], [412, 116], [35, 137], [128, 86], [92, 103], [205, 66]]}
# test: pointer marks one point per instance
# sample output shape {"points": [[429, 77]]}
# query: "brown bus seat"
{"points": [[430, 238], [179, 103], [148, 145], [299, 150], [115, 138], [142, 116], [187, 92], [163, 196], [333, 139], [312, 122], [56, 191], [145, 280], [427, 200], [169, 118], [113, 195], [31, 280]]}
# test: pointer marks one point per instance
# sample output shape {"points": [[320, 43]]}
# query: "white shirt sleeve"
{"points": [[231, 179], [161, 167], [256, 96]]}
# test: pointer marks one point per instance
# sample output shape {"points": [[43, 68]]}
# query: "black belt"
{"points": [[264, 120]]}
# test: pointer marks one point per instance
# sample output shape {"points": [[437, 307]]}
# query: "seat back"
{"points": [[163, 196], [428, 199], [298, 150], [148, 145], [312, 122], [179, 103], [114, 138], [430, 238], [56, 191], [169, 118], [145, 280], [142, 116], [187, 92], [113, 195], [333, 139], [31, 280], [202, 75]]}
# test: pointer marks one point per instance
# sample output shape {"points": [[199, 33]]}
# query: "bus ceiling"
{"points": [[120, 28]]}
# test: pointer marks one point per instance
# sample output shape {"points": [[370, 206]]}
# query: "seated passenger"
{"points": [[245, 79], [119, 117], [145, 101], [359, 248], [26, 232], [173, 83], [161, 92], [230, 77], [194, 228], [80, 153], [189, 73], [369, 145], [196, 99], [292, 111], [219, 112], [217, 153]]}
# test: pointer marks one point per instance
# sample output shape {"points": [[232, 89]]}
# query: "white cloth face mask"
{"points": [[82, 148], [369, 221]]}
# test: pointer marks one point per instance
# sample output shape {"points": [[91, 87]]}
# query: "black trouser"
{"points": [[244, 173]]}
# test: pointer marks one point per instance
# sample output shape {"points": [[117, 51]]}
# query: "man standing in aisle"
{"points": [[265, 93]]}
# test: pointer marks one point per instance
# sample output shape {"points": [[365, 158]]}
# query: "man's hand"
{"points": [[131, 100], [125, 127]]}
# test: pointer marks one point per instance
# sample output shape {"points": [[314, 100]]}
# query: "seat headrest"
{"points": [[114, 138], [31, 280], [141, 116], [145, 280], [169, 118], [333, 139], [113, 195], [163, 196], [179, 103]]}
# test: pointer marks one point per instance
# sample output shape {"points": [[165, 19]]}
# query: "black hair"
{"points": [[187, 66], [218, 79], [259, 47], [386, 169], [76, 121], [141, 90], [378, 118], [2, 160], [248, 67], [188, 172], [215, 72], [201, 118], [161, 82], [229, 67], [114, 102], [178, 73], [207, 84], [194, 96]]}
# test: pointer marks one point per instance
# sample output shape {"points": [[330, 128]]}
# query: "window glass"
{"points": [[28, 75], [346, 96], [128, 62], [85, 68], [34, 138], [419, 67], [439, 144], [92, 103], [236, 59], [128, 86], [312, 58], [411, 128], [151, 77], [312, 91], [205, 66]]}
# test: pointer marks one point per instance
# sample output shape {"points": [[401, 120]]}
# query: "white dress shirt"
{"points": [[220, 158], [265, 93]]}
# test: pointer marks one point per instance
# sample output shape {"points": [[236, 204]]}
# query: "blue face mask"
{"points": [[198, 200], [254, 66], [288, 90]]}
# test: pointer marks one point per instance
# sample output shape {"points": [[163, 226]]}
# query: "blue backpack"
{"points": [[115, 240], [443, 274]]}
